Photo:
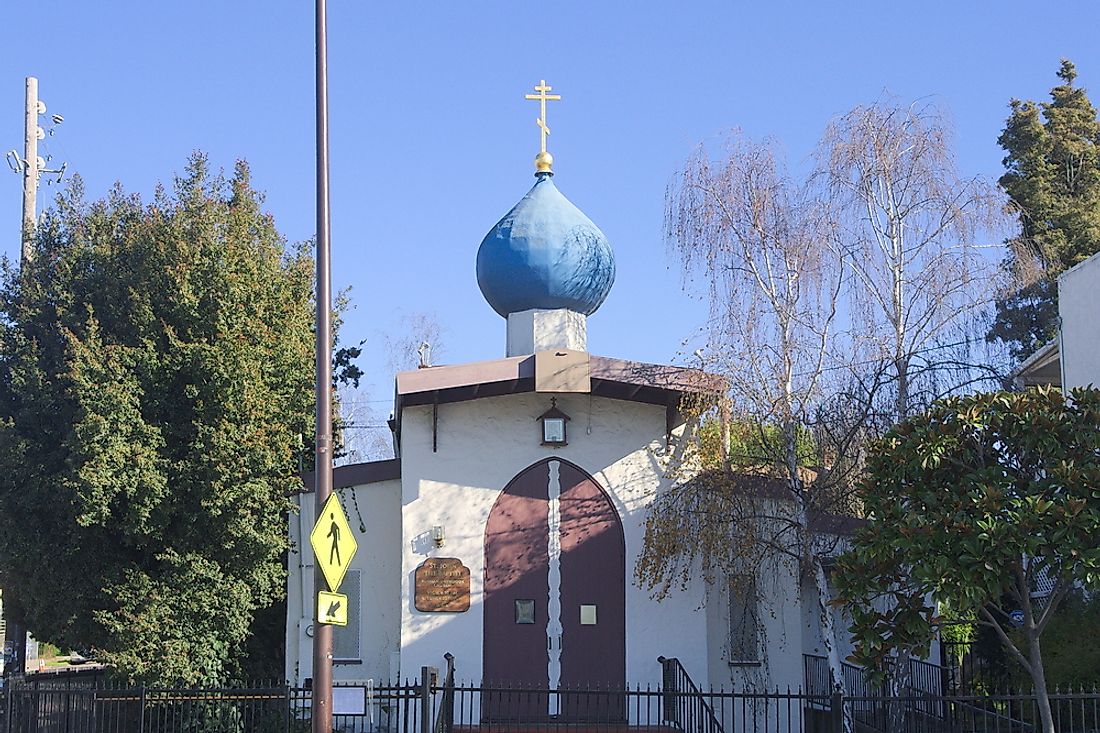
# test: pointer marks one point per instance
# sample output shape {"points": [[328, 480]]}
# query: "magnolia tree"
{"points": [[970, 503]]}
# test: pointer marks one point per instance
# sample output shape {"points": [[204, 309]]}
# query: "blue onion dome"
{"points": [[546, 254]]}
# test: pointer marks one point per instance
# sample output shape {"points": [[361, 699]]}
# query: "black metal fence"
{"points": [[76, 709], [431, 705], [924, 678], [972, 672]]}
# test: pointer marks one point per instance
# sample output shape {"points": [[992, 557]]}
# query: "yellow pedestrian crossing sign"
{"points": [[332, 608], [333, 544]]}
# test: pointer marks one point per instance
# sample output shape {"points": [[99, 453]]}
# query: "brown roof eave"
{"points": [[657, 384], [356, 474]]}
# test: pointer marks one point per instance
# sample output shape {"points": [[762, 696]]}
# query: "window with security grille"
{"points": [[744, 614], [345, 639]]}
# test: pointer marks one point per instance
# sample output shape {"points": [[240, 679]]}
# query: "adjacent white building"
{"points": [[1073, 358]]}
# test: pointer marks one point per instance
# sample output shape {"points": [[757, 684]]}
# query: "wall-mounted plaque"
{"points": [[442, 585]]}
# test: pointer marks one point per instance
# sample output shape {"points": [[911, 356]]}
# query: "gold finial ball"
{"points": [[544, 162]]}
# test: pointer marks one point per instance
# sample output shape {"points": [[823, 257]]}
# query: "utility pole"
{"points": [[31, 132], [31, 166], [15, 632], [321, 713]]}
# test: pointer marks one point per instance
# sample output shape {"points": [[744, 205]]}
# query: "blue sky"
{"points": [[432, 140]]}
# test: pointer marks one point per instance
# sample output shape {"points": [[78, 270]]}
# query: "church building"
{"points": [[506, 529]]}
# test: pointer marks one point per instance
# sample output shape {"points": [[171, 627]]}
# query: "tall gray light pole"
{"points": [[321, 713]]}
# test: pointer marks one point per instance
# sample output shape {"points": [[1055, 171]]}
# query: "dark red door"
{"points": [[593, 599], [555, 597]]}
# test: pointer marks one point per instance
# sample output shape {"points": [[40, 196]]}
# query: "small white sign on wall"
{"points": [[349, 701]]}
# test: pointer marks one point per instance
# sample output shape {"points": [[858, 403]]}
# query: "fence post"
{"points": [[836, 712], [428, 677], [669, 708], [36, 703], [95, 706], [141, 710], [447, 708], [289, 704]]}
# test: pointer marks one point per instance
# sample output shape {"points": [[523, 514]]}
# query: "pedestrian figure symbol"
{"points": [[333, 543], [334, 533], [332, 608]]}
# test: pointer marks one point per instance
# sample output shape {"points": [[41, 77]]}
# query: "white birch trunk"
{"points": [[829, 639]]}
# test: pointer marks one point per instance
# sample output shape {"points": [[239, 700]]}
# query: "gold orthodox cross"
{"points": [[543, 98]]}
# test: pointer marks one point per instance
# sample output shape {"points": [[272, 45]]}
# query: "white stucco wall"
{"points": [[1079, 309], [780, 615], [482, 445], [812, 642], [379, 560]]}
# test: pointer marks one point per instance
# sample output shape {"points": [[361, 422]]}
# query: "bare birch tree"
{"points": [[415, 339], [416, 342], [764, 246], [921, 280], [837, 307]]}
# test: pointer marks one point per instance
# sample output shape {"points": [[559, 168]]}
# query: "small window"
{"points": [[525, 611], [345, 639], [588, 615], [744, 620]]}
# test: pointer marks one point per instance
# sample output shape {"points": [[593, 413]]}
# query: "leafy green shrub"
{"points": [[1071, 655]]}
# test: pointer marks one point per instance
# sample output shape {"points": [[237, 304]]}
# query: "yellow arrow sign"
{"points": [[332, 608], [333, 543]]}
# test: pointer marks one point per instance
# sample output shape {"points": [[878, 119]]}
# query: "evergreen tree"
{"points": [[156, 377], [1052, 174]]}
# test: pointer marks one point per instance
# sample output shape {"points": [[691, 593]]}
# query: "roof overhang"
{"points": [[769, 485], [356, 474], [558, 371], [1042, 368]]}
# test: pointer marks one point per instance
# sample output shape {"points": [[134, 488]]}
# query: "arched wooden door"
{"points": [[555, 597]]}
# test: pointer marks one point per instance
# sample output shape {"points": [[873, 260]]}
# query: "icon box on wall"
{"points": [[525, 611]]}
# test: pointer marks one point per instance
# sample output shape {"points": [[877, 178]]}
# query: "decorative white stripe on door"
{"points": [[553, 607]]}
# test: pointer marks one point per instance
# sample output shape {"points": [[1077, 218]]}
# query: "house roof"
{"points": [[556, 371], [356, 474], [753, 483], [1044, 367], [617, 378], [835, 524], [1084, 264]]}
